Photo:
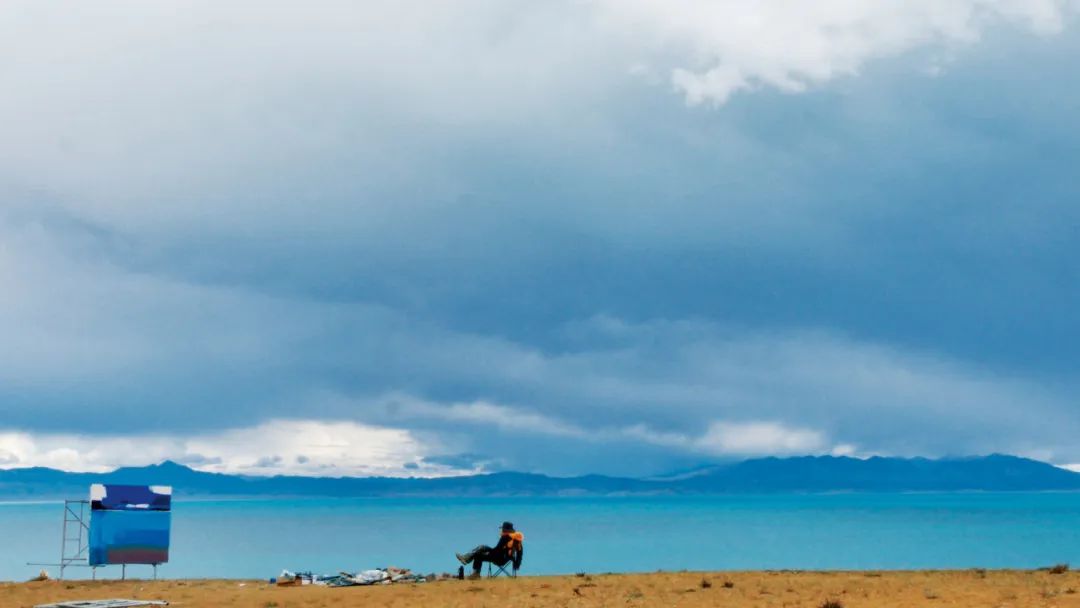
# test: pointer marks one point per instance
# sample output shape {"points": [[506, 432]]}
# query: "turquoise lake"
{"points": [[259, 538]]}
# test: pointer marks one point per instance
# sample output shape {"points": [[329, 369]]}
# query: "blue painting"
{"points": [[129, 524]]}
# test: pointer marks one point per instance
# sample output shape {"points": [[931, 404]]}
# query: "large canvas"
{"points": [[129, 524]]}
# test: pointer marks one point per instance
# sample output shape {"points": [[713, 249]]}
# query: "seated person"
{"points": [[509, 548]]}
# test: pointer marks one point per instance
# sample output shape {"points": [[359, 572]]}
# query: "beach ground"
{"points": [[968, 588]]}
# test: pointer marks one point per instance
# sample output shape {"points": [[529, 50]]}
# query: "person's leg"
{"points": [[479, 558], [465, 558]]}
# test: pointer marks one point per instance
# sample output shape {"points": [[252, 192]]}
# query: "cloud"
{"points": [[198, 460], [286, 446], [200, 130], [760, 438], [743, 439], [274, 447], [688, 389], [750, 438], [325, 448], [732, 46], [483, 413], [492, 227], [76, 453]]}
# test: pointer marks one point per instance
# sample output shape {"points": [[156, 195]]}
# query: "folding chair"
{"points": [[514, 564]]}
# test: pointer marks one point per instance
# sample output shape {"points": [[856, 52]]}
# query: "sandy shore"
{"points": [[810, 589]]}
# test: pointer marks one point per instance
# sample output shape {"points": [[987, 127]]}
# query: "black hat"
{"points": [[507, 527]]}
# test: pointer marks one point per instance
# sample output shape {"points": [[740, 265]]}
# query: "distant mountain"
{"points": [[828, 473], [765, 475]]}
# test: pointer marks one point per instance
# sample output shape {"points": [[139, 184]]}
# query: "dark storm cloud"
{"points": [[540, 260]]}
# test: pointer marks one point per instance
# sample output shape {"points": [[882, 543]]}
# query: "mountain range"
{"points": [[764, 475]]}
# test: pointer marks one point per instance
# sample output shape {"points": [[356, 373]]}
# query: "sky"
{"points": [[627, 237]]}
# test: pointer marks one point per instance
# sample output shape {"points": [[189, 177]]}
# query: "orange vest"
{"points": [[515, 541]]}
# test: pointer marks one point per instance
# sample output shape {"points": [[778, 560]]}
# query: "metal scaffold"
{"points": [[75, 540], [75, 547]]}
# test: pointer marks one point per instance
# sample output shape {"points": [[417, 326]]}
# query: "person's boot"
{"points": [[474, 576]]}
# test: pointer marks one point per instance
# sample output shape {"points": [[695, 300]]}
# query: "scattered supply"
{"points": [[363, 578], [104, 604]]}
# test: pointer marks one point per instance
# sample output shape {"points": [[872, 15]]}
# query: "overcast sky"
{"points": [[615, 236]]}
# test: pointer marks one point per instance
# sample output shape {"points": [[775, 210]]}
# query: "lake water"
{"points": [[258, 538]]}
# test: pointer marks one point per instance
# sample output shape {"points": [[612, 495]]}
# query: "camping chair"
{"points": [[514, 563]]}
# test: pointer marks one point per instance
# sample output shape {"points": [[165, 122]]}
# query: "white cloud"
{"points": [[482, 413], [274, 447], [721, 47], [743, 438], [760, 438], [71, 452], [845, 449], [748, 438], [318, 447]]}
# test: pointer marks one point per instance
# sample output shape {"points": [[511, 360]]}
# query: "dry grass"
{"points": [[959, 589]]}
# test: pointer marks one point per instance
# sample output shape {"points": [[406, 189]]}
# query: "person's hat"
{"points": [[507, 527]]}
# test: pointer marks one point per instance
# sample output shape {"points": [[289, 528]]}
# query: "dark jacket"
{"points": [[502, 552]]}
